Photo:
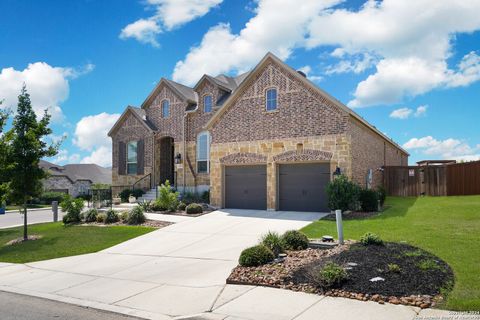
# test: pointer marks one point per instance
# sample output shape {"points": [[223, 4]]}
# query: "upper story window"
{"points": [[203, 152], [207, 103], [132, 157], [271, 99], [165, 109]]}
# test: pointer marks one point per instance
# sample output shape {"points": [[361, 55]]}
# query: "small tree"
{"points": [[26, 146], [3, 159], [342, 194]]}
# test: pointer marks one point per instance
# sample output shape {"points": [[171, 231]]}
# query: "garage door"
{"points": [[302, 187], [246, 187]]}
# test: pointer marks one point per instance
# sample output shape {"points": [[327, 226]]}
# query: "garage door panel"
{"points": [[302, 186], [246, 187]]}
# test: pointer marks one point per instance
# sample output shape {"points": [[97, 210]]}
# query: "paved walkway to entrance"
{"points": [[180, 271]]}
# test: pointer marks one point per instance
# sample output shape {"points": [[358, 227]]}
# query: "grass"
{"points": [[448, 227], [30, 206], [62, 241]]}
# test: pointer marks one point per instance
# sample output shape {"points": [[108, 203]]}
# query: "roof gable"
{"points": [[183, 92], [139, 114]]}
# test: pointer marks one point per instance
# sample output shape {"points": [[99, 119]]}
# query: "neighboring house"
{"points": [[266, 139], [74, 179]]}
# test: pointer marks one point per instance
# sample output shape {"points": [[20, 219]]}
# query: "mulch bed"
{"points": [[418, 283], [206, 209]]}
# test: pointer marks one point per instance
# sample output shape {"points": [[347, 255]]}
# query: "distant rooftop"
{"points": [[81, 171]]}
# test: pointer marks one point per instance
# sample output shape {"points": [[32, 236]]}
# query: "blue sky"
{"points": [[414, 76]]}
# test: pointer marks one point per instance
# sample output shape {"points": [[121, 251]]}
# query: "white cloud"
{"points": [[402, 113], [101, 156], [278, 26], [308, 72], [421, 111], [405, 113], [64, 157], [446, 149], [143, 30], [354, 64], [169, 14], [91, 135], [48, 86]]}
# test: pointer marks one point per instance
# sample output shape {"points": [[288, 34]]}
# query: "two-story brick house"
{"points": [[266, 139]]}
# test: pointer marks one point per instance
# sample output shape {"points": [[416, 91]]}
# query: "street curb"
{"points": [[33, 209]]}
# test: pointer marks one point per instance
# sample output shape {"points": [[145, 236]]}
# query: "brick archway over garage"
{"points": [[243, 158], [303, 155]]}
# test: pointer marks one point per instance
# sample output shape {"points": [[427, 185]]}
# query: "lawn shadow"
{"points": [[396, 207]]}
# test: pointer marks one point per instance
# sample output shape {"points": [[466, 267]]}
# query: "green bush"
{"points": [[49, 196], [371, 239], [206, 197], [101, 217], [167, 198], [193, 208], [85, 196], [394, 268], [294, 240], [124, 216], [157, 206], [368, 200], [273, 241], [331, 275], [137, 193], [382, 194], [91, 215], [146, 205], [124, 194], [342, 194], [181, 206], [73, 209], [136, 216], [256, 256], [111, 216]]}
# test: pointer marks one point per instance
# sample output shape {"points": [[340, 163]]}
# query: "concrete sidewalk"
{"points": [[180, 271]]}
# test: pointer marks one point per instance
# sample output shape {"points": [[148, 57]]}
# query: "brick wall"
{"points": [[371, 151], [301, 111]]}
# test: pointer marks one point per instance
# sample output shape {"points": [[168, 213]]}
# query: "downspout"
{"points": [[184, 151]]}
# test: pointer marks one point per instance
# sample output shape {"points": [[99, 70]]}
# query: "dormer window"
{"points": [[165, 109], [271, 99], [207, 103]]}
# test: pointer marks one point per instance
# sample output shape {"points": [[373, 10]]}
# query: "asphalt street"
{"points": [[19, 307], [12, 219]]}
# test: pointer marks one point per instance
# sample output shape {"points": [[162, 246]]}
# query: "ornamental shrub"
{"points": [[342, 194], [273, 241], [136, 216], [182, 206], [368, 200], [91, 215], [111, 216], [193, 208], [256, 256], [101, 217], [72, 208], [167, 198], [294, 240], [331, 275], [49, 196], [371, 239], [124, 194]]}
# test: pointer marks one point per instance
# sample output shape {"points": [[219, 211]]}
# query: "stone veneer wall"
{"points": [[314, 148], [371, 151], [63, 183]]}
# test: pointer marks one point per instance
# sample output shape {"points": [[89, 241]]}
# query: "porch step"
{"points": [[150, 195]]}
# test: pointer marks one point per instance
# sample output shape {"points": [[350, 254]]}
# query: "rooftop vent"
{"points": [[302, 73]]}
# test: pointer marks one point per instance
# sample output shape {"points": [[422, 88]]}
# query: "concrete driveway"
{"points": [[180, 270]]}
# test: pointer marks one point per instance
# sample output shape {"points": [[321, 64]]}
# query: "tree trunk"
{"points": [[25, 234]]}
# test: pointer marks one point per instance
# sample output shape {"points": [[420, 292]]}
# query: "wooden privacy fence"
{"points": [[434, 180]]}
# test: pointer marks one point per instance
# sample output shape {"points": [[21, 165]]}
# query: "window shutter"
{"points": [[122, 158], [140, 157]]}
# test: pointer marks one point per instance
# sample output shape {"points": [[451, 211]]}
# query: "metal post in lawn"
{"points": [[55, 210], [338, 215]]}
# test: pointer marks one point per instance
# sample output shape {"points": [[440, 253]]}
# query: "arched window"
{"points": [[203, 152], [271, 99], [165, 109], [207, 103]]}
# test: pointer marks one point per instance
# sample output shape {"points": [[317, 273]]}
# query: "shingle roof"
{"points": [[81, 171], [143, 115], [187, 92]]}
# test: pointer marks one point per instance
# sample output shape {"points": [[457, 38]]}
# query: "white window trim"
{"points": [[266, 98], [208, 150], [136, 160], [211, 106], [161, 108]]}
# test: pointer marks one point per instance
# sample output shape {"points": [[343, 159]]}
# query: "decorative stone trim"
{"points": [[243, 158], [304, 155]]}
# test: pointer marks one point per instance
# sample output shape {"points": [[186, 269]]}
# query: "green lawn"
{"points": [[449, 227], [61, 241]]}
